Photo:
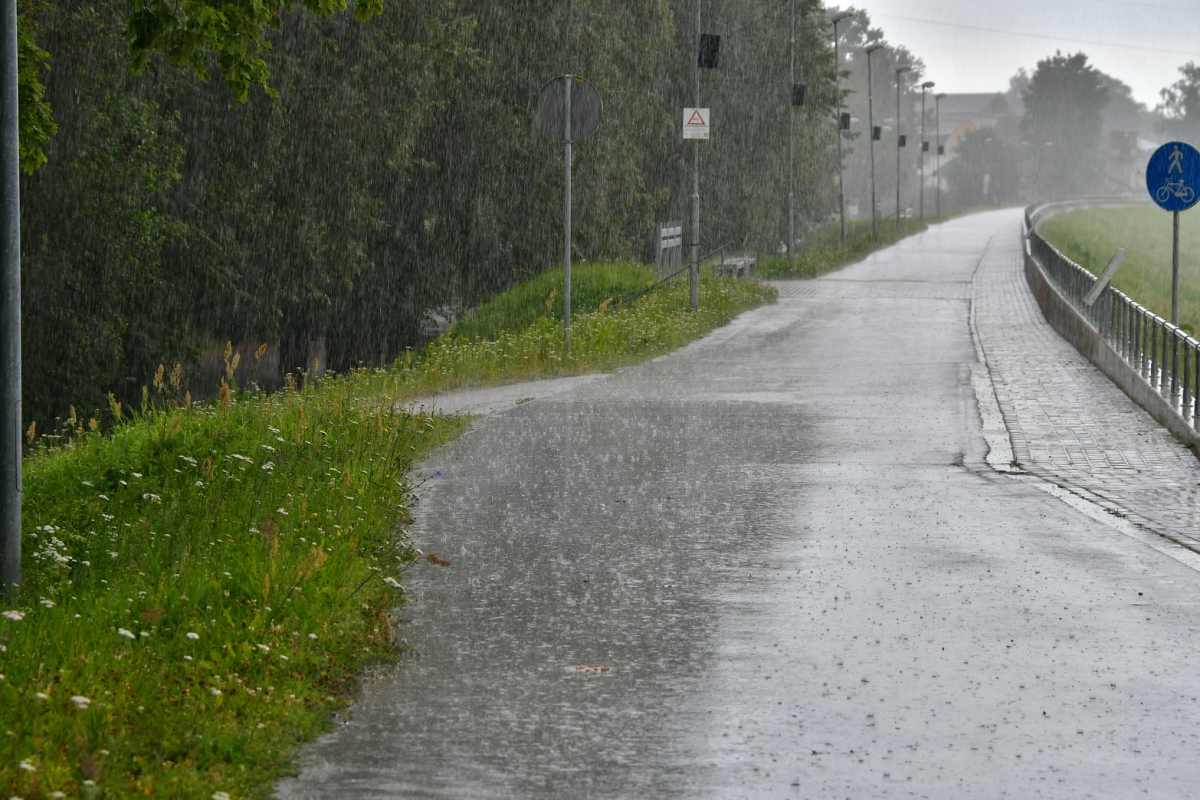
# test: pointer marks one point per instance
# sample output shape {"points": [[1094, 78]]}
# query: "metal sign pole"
{"points": [[567, 214], [1175, 271], [10, 314]]}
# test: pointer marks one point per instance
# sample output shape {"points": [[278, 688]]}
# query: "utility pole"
{"points": [[900, 70], [10, 313], [871, 125], [838, 103]]}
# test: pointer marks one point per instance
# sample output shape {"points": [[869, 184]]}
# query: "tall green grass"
{"points": [[520, 306], [610, 337], [825, 252], [203, 584], [1090, 237]]}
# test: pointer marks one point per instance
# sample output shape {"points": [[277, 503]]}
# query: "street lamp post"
{"points": [[924, 144], [937, 133], [10, 313], [900, 70], [838, 103], [871, 133]]}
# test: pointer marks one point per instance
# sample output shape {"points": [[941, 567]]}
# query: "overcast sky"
{"points": [[977, 45]]}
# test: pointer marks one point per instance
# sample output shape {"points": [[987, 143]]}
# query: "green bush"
{"points": [[520, 306]]}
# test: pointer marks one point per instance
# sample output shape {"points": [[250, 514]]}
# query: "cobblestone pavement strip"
{"points": [[1069, 423]]}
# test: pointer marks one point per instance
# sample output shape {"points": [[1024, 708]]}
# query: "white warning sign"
{"points": [[695, 123]]}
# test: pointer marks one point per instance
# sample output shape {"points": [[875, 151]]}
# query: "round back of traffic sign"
{"points": [[549, 112], [1173, 176]]}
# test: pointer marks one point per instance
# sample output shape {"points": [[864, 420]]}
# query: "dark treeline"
{"points": [[396, 170]]}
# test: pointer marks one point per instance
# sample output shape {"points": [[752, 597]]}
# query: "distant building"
{"points": [[1128, 154], [962, 113]]}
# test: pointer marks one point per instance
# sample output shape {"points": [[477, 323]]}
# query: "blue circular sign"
{"points": [[1173, 176]]}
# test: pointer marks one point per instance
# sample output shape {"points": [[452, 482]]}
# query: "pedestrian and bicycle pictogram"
{"points": [[1173, 176]]}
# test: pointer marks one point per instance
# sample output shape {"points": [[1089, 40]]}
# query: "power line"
{"points": [[1161, 50]]}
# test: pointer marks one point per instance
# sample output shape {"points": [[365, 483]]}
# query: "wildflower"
{"points": [[193, 635], [87, 483], [281, 511], [439, 473], [146, 634], [187, 658], [285, 658], [215, 692], [269, 466], [241, 458], [125, 633], [220, 796], [137, 474], [27, 765], [263, 647], [152, 496], [15, 616], [47, 603], [268, 447], [80, 701], [41, 696], [392, 582], [312, 636], [189, 460]]}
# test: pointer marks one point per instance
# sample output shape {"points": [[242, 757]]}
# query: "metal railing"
{"points": [[1164, 355]]}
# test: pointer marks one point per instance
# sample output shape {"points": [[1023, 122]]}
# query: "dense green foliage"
{"points": [[395, 172], [1181, 105], [1089, 237], [986, 169], [1064, 112]]}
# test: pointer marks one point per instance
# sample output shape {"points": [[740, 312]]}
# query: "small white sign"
{"points": [[695, 123]]}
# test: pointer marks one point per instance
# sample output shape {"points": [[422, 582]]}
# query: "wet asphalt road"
{"points": [[785, 545]]}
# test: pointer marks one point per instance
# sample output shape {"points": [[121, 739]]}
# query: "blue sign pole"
{"points": [[1173, 180]]}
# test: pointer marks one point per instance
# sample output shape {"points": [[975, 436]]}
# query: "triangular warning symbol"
{"points": [[696, 118]]}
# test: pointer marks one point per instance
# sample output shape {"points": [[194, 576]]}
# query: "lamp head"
{"points": [[939, 96], [902, 68], [872, 48], [927, 85], [836, 18]]}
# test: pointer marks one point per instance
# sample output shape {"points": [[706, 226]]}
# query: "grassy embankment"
{"points": [[203, 584], [824, 251], [1090, 237]]}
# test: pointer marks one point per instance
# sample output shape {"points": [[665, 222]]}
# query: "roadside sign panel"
{"points": [[695, 123], [549, 111], [1173, 176]]}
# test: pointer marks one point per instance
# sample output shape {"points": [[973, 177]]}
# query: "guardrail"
{"points": [[1163, 356]]}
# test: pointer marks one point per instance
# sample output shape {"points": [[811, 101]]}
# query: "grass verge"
{"points": [[204, 584], [826, 252], [1090, 237]]}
